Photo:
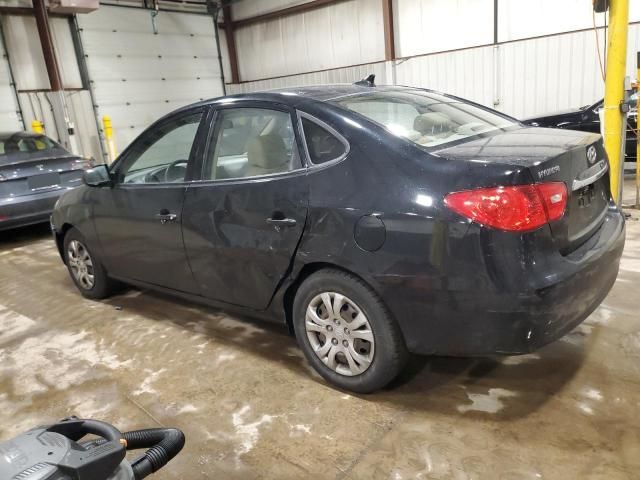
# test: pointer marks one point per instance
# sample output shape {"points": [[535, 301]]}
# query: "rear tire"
{"points": [[347, 333], [85, 268]]}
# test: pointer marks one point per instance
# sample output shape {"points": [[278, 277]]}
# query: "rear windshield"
{"points": [[426, 118], [25, 144]]}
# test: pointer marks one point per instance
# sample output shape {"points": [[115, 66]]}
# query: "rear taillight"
{"points": [[515, 209]]}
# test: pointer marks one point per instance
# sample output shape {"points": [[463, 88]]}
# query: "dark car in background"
{"points": [[34, 172], [374, 221], [587, 119]]}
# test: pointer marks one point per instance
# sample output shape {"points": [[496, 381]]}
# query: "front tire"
{"points": [[347, 333], [85, 268]]}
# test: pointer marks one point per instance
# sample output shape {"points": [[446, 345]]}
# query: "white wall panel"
{"points": [[531, 18], [35, 105], [557, 72], [337, 75], [467, 73], [425, 26], [9, 120], [346, 33], [137, 76], [251, 8], [25, 52]]}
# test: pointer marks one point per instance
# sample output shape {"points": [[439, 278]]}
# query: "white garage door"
{"points": [[9, 120], [138, 76]]}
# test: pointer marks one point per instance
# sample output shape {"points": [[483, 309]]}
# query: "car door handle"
{"points": [[166, 217], [281, 222]]}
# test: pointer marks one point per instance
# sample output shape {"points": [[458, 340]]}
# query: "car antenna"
{"points": [[367, 82]]}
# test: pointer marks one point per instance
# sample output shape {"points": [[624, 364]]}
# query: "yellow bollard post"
{"points": [[108, 135], [614, 91], [37, 126]]}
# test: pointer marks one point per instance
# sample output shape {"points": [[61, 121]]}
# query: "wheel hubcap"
{"points": [[80, 264], [340, 333]]}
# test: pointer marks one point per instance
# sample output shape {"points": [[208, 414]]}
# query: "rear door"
{"points": [[243, 220], [138, 220]]}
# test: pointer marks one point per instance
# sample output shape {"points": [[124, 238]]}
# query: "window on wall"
{"points": [[251, 142], [322, 145]]}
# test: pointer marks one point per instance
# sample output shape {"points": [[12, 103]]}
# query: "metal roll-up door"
{"points": [[137, 75]]}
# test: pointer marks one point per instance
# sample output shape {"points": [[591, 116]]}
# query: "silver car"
{"points": [[34, 172]]}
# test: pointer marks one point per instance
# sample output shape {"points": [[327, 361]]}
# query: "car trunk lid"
{"points": [[24, 175], [549, 155]]}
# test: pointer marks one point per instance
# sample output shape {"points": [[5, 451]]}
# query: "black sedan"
{"points": [[373, 221], [587, 119], [34, 172]]}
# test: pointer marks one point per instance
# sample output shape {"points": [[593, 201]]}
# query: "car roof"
{"points": [[323, 93], [4, 136]]}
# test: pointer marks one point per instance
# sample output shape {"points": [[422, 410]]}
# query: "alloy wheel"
{"points": [[80, 264], [340, 333]]}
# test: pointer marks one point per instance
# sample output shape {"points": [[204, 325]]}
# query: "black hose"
{"points": [[163, 445]]}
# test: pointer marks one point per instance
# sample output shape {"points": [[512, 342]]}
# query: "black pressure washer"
{"points": [[54, 452]]}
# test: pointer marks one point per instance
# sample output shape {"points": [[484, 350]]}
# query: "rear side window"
{"points": [[323, 146], [26, 144]]}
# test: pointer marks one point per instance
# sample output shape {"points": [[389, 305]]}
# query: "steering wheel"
{"points": [[173, 166]]}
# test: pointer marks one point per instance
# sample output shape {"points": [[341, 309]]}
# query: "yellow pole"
{"points": [[37, 126], [614, 91], [108, 135]]}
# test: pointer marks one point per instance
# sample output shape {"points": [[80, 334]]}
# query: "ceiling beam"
{"points": [[229, 32], [389, 34], [44, 32], [24, 11], [284, 12]]}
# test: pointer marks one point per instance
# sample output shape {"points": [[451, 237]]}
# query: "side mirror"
{"points": [[97, 176]]}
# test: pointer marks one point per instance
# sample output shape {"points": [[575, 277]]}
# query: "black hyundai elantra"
{"points": [[373, 221]]}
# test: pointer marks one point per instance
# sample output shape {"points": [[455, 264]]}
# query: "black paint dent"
{"points": [[453, 286]]}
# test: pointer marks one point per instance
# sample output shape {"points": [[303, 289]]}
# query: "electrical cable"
{"points": [[595, 29]]}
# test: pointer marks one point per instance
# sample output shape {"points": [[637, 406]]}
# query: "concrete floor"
{"points": [[252, 408]]}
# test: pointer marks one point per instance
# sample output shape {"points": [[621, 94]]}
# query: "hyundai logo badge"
{"points": [[592, 155]]}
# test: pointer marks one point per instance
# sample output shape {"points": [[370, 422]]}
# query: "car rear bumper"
{"points": [[28, 209], [479, 321]]}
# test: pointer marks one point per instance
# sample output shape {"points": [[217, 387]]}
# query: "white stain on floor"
{"points": [[520, 359], [12, 324], [55, 360], [490, 402], [150, 377], [247, 432]]}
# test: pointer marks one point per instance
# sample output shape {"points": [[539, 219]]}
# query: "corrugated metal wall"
{"points": [[346, 33], [338, 75], [138, 76], [448, 45], [427, 26]]}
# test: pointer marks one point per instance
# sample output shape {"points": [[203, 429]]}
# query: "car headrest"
{"points": [[227, 124], [267, 152], [430, 123]]}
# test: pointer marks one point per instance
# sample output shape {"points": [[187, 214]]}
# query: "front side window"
{"points": [[427, 118], [163, 154], [251, 142], [322, 145]]}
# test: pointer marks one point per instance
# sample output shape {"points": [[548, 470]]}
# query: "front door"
{"points": [[138, 220], [242, 222]]}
